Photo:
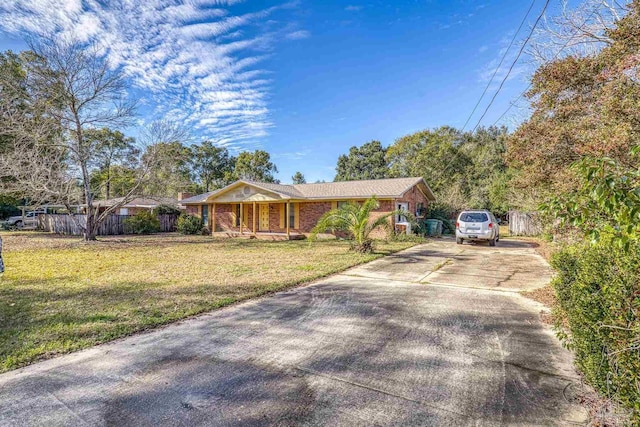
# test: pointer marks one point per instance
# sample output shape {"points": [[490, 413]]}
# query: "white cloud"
{"points": [[353, 8], [520, 69], [193, 60], [298, 35]]}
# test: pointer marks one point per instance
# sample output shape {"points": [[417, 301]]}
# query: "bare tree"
{"points": [[70, 89], [578, 31]]}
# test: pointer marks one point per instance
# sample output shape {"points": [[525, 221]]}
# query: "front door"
{"points": [[264, 217]]}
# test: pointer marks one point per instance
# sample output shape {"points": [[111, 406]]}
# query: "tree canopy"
{"points": [[582, 106], [255, 166], [364, 162], [212, 165], [298, 178]]}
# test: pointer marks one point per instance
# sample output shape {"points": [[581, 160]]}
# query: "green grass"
{"points": [[59, 294]]}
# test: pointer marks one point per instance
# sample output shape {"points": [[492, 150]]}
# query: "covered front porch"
{"points": [[264, 218], [246, 210]]}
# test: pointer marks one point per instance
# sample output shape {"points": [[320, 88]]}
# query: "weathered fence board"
{"points": [[113, 225], [524, 224]]}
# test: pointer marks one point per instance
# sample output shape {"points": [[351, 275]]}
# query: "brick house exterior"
{"points": [[265, 209]]}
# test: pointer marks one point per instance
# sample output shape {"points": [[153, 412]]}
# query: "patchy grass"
{"points": [[60, 294]]}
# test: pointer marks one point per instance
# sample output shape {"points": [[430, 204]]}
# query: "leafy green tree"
{"points": [[255, 166], [429, 153], [364, 162], [356, 219], [111, 149], [13, 88], [298, 178], [212, 165], [607, 200], [121, 180], [172, 169]]}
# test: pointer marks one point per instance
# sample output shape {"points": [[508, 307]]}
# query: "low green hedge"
{"points": [[144, 222], [598, 290], [189, 224]]}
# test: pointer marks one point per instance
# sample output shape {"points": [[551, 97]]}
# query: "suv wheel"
{"points": [[459, 241], [18, 224], [492, 242]]}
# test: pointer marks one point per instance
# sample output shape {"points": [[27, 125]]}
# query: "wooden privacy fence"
{"points": [[524, 224], [114, 224]]}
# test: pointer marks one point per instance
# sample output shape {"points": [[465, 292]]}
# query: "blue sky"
{"points": [[303, 79]]}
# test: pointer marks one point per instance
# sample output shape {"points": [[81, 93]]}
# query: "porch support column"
{"points": [[254, 218], [287, 217], [213, 219], [241, 219]]}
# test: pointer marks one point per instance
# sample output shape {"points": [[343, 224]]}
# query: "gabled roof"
{"points": [[381, 188]]}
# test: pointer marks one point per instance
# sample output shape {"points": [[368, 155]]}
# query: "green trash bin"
{"points": [[434, 227]]}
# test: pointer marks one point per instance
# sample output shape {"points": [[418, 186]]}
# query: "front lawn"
{"points": [[59, 294]]}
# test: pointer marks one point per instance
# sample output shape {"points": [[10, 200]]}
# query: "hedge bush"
{"points": [[144, 222], [166, 210], [189, 224], [598, 290]]}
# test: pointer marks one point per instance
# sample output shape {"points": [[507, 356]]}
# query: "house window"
{"points": [[205, 215], [292, 215], [124, 211], [238, 215], [402, 207], [341, 204]]}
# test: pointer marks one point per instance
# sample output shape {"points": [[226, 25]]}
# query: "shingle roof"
{"points": [[391, 187], [199, 198]]}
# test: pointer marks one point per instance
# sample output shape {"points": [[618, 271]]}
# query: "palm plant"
{"points": [[355, 219]]}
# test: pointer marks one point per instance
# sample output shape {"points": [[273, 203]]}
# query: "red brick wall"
{"points": [[310, 213], [192, 210], [224, 217], [413, 197]]}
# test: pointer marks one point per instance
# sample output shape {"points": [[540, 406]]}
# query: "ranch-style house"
{"points": [[277, 211]]}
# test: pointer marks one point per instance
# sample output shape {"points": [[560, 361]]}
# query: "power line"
{"points": [[513, 64], [503, 80], [564, 46], [499, 64]]}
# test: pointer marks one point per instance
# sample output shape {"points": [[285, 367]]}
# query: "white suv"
{"points": [[477, 225]]}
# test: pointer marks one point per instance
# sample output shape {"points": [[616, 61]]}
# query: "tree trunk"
{"points": [[108, 181], [91, 229]]}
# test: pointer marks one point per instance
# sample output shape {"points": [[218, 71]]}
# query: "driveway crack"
{"points": [[385, 392]]}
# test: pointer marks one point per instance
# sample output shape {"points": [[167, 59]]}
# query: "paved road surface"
{"points": [[434, 335]]}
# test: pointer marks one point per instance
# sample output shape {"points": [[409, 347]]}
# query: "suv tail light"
{"points": [[490, 225], [457, 224]]}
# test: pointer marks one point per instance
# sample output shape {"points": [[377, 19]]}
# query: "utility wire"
{"points": [[513, 64], [503, 81], [564, 46], [499, 65]]}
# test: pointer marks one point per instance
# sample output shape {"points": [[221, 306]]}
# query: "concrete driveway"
{"points": [[434, 335]]}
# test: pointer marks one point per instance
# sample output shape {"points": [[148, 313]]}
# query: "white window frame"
{"points": [[402, 206]]}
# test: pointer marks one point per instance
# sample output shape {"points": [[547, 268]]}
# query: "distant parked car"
{"points": [[477, 225], [30, 219]]}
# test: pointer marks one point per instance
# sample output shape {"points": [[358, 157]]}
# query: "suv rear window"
{"points": [[474, 217]]}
